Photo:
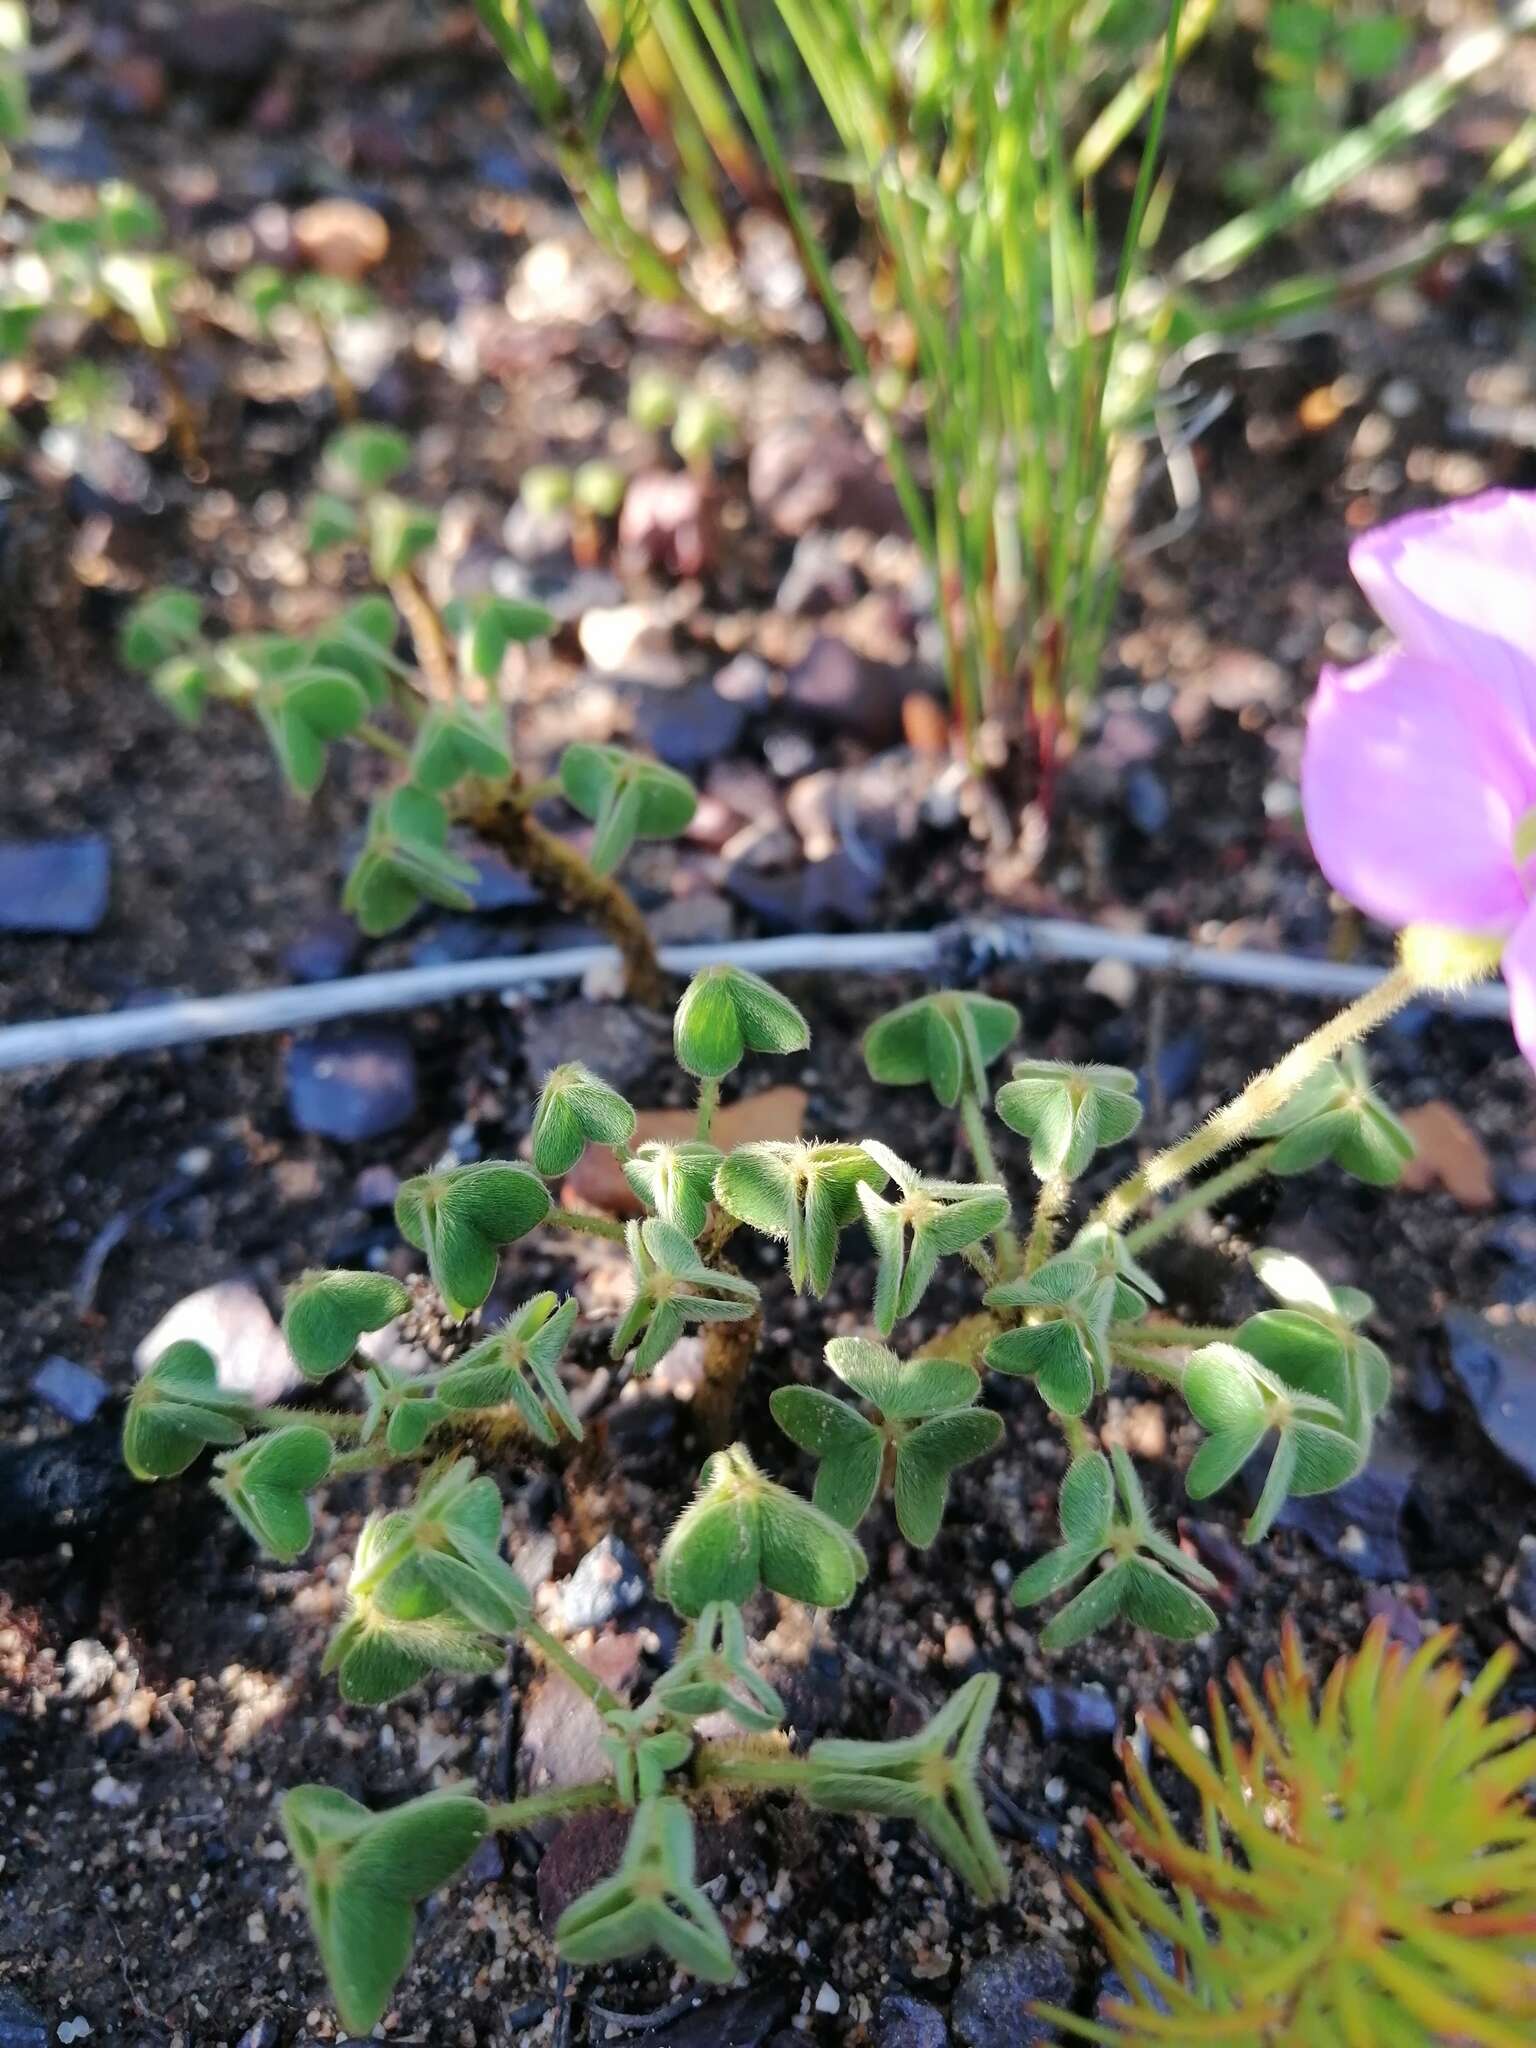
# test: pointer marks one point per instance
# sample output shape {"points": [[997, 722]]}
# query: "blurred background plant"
{"points": [[1019, 353]]}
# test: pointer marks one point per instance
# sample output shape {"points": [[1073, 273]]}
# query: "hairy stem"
{"points": [[586, 1682], [717, 1763], [1265, 1093], [1181, 1336], [709, 1102], [558, 868], [520, 1813], [589, 1226], [428, 635], [1156, 1365], [974, 1123], [1205, 1196], [386, 743], [727, 1350], [1049, 1204], [334, 1421]]}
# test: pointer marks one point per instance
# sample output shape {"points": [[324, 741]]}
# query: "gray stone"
{"points": [[837, 689], [71, 1390], [614, 1040], [992, 2005], [609, 1581], [351, 1085], [1073, 1713], [904, 2022], [1358, 1525], [54, 885]]}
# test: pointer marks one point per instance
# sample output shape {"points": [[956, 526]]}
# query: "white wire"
{"points": [[963, 951]]}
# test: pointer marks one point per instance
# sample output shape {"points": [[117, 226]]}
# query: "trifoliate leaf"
{"points": [[1337, 1115], [265, 1485], [1063, 1345], [932, 1778], [182, 685], [743, 1530], [404, 860], [456, 740], [675, 1178], [327, 1312], [576, 1109], [363, 458], [651, 1901], [1111, 1258], [1068, 1112], [362, 1874], [801, 1194], [948, 1039], [1239, 1401], [485, 627], [850, 1449], [360, 641], [329, 522], [460, 1216], [673, 1288], [302, 713], [923, 1221], [398, 533], [519, 1363], [713, 1673], [927, 1457], [643, 1757], [163, 623], [176, 1409], [1360, 1384], [626, 797], [727, 1012]]}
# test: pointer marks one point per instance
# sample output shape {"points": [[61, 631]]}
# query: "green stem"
{"points": [[520, 1813], [1075, 1430], [1265, 1094], [717, 1765], [1155, 1365], [1186, 1336], [973, 1121], [1049, 1203], [375, 736], [586, 1682], [334, 1421], [589, 1226], [533, 793], [369, 1458], [1205, 1196], [709, 1102]]}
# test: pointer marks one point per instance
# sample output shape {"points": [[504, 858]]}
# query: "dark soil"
{"points": [[158, 1686]]}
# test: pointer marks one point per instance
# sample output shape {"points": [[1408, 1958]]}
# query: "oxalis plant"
{"points": [[419, 685], [1065, 1301]]}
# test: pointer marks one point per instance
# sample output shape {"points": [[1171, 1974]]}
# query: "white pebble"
{"points": [[827, 2000]]}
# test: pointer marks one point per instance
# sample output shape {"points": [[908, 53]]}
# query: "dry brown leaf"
{"points": [[1450, 1155], [597, 1180]]}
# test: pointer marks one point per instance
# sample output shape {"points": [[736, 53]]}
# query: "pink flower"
{"points": [[1419, 776]]}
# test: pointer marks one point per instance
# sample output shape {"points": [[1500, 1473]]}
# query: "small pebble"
{"points": [[827, 2000]]}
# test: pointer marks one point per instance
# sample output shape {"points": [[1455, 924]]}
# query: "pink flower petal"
{"points": [[1457, 584], [1520, 974], [1412, 782]]}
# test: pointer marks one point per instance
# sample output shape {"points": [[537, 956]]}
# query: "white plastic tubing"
{"points": [[954, 953]]}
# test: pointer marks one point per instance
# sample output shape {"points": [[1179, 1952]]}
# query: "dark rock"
{"points": [[804, 473], [1405, 1624], [588, 1846], [64, 1488], [668, 523], [326, 952], [465, 938], [54, 885], [1517, 1186], [487, 1864], [105, 478], [351, 1085], [20, 2025], [904, 2022], [838, 690], [1178, 1068], [71, 1390], [503, 170], [73, 152], [991, 2007], [1496, 1365], [227, 53], [497, 885], [618, 1043], [702, 919], [1360, 1524], [691, 727], [1072, 1713], [1147, 802], [742, 2019], [835, 894], [1112, 1988], [609, 1581], [265, 2034], [819, 579]]}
